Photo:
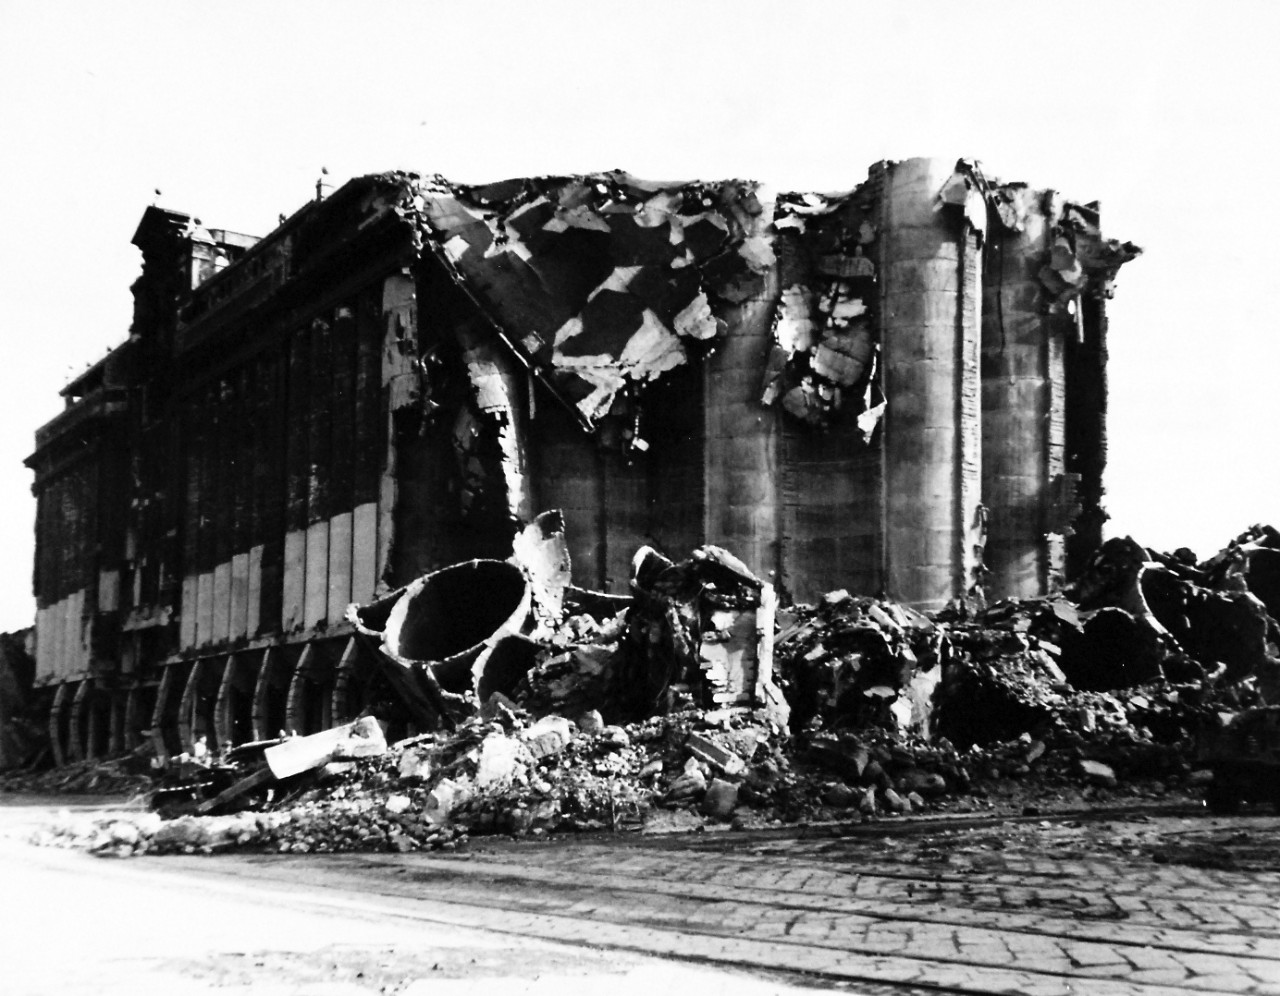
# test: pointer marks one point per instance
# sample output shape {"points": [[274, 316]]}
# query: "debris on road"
{"points": [[698, 695]]}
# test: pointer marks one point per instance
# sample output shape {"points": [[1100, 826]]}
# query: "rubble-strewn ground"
{"points": [[697, 703], [659, 775]]}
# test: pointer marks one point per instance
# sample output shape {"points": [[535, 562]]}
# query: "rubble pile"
{"points": [[860, 662], [698, 700], [129, 775], [501, 772]]}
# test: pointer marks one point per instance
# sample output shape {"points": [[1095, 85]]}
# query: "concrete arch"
{"points": [[58, 723], [140, 703], [270, 693], [233, 713], [309, 708], [196, 711], [350, 685], [117, 707], [95, 720], [79, 733], [165, 735]]}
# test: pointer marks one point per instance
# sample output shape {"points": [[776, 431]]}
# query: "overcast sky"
{"points": [[1166, 112]]}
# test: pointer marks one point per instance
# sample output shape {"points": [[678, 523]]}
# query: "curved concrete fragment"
{"points": [[439, 633]]}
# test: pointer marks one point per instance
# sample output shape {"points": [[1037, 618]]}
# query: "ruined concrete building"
{"points": [[899, 389]]}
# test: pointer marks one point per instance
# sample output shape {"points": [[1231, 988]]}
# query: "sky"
{"points": [[1165, 112]]}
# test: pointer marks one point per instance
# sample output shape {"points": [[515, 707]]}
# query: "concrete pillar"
{"points": [[79, 738], [930, 279], [118, 739], [164, 745], [189, 709], [1023, 407], [58, 725], [740, 504]]}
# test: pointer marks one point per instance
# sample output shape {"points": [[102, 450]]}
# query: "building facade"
{"points": [[897, 389]]}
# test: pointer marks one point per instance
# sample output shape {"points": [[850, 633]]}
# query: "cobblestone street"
{"points": [[1042, 907]]}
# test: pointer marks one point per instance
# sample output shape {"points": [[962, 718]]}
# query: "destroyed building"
{"points": [[900, 389]]}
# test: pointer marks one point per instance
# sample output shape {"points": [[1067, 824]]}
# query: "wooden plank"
{"points": [[316, 598], [222, 602], [386, 509], [58, 625], [246, 784], [239, 627], [292, 611], [254, 585], [187, 613], [340, 533], [43, 646], [364, 552], [204, 608]]}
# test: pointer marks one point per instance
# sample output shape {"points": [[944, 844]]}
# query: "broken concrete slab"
{"points": [[721, 758], [359, 738]]}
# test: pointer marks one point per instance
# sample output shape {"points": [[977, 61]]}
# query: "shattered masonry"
{"points": [[899, 389]]}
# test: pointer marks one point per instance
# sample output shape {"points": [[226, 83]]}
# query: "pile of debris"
{"points": [[129, 775], [699, 700]]}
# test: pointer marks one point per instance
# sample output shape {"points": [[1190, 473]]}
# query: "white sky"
{"points": [[1166, 112]]}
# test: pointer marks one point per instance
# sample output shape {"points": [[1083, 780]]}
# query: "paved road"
{"points": [[1033, 909]]}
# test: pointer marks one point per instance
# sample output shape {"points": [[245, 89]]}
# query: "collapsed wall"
{"points": [[895, 331]]}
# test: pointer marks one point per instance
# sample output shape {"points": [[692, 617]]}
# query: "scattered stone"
{"points": [[926, 783], [1097, 773], [721, 799], [443, 799], [713, 754], [501, 759], [689, 785], [415, 765], [841, 796], [615, 737], [549, 735]]}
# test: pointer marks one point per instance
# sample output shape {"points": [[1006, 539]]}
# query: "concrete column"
{"points": [[58, 724], [930, 279], [740, 503], [1023, 407]]}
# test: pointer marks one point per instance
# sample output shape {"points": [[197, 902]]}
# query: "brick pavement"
{"points": [[1005, 923], [1013, 922]]}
